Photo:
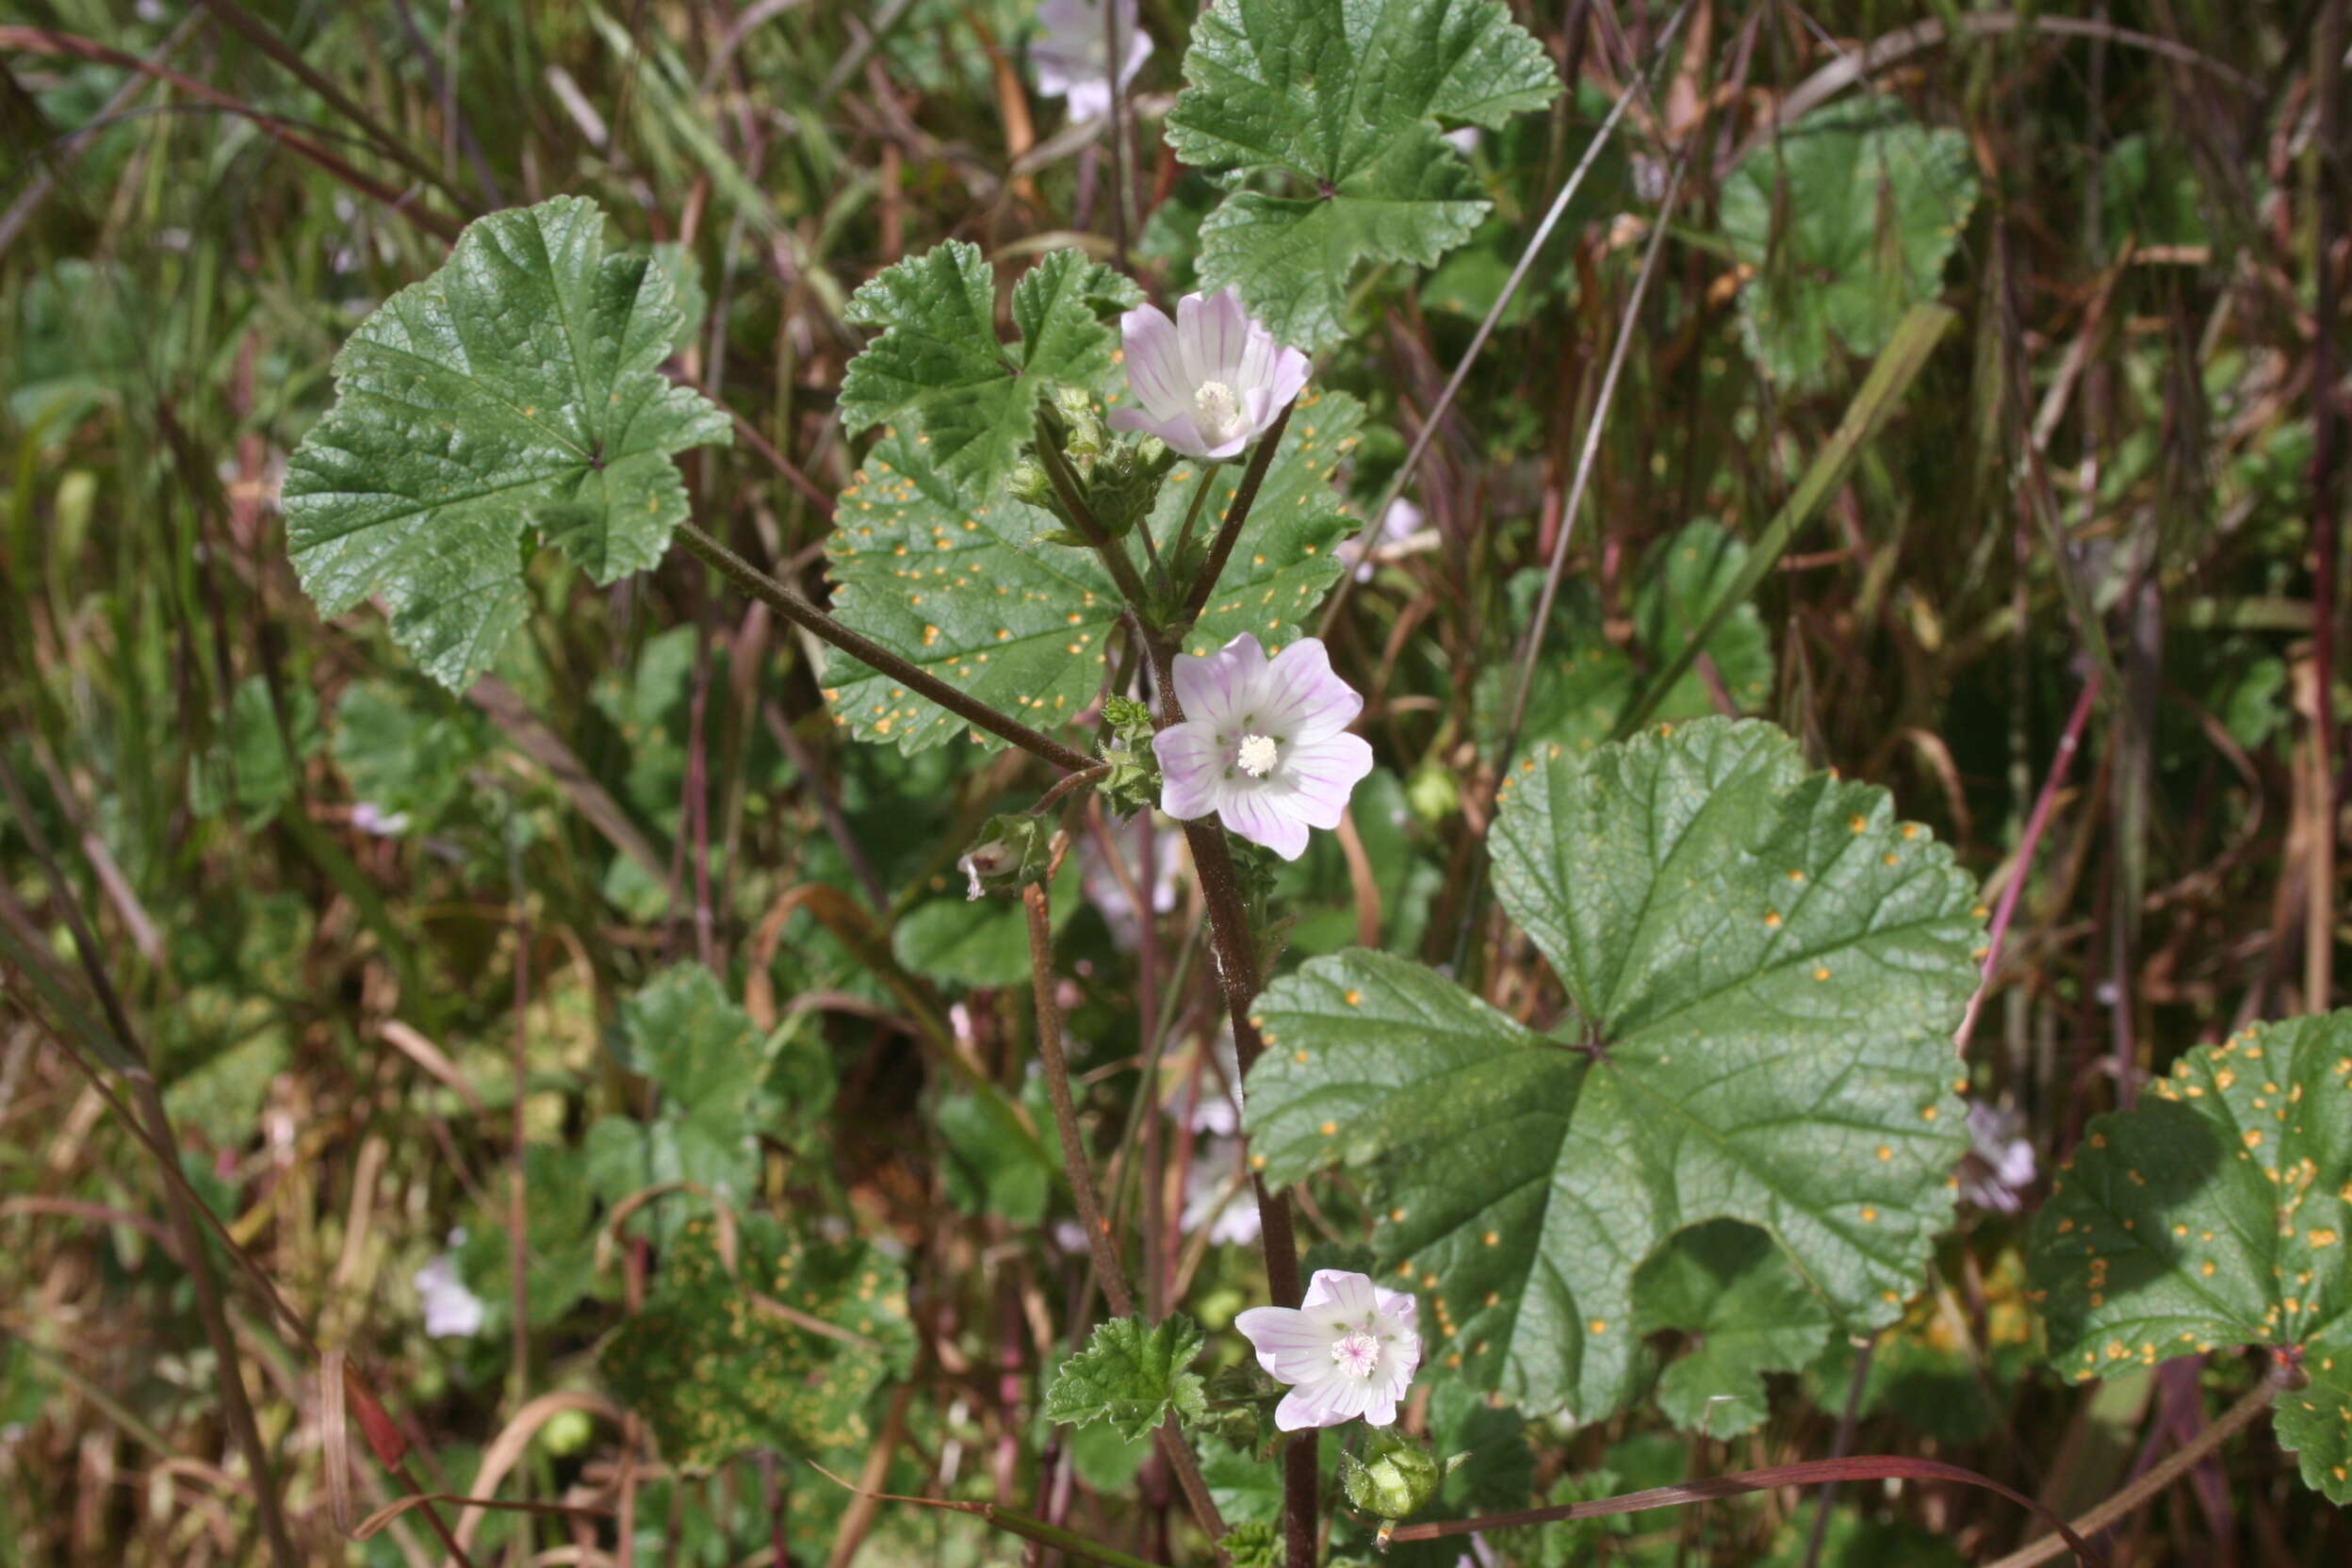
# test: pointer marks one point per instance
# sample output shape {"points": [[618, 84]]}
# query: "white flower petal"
{"points": [[1191, 764], [1156, 368], [1400, 1307], [1289, 1344], [1258, 817], [1339, 1296], [1211, 690]]}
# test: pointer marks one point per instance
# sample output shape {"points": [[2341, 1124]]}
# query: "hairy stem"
{"points": [[802, 614], [1236, 955], [1167, 1439], [1192, 513]]}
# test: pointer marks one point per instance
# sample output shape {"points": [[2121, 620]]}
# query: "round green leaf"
{"points": [[1346, 99], [1764, 970], [518, 391]]}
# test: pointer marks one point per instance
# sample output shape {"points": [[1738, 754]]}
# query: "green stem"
{"points": [[798, 610], [1082, 519], [1245, 496], [1192, 513]]}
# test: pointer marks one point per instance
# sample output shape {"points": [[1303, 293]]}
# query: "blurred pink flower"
{"points": [[1347, 1349], [1262, 743], [1209, 381], [1073, 55], [1998, 1166]]}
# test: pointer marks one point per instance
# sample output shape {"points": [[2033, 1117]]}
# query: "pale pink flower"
{"points": [[1998, 1166], [1347, 1349], [1072, 57], [1262, 743], [1208, 382], [1397, 524], [451, 1311]]}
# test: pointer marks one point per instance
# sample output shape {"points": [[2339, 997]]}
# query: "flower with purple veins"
{"points": [[1347, 1349], [1072, 57], [1211, 380], [1262, 743]]}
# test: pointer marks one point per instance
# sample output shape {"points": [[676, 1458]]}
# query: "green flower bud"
{"points": [[1396, 1480], [1253, 1546], [1085, 438], [1029, 483]]}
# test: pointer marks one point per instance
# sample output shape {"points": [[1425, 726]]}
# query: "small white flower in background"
{"points": [[1398, 523], [1106, 890], [371, 818], [1214, 1201], [1347, 1349], [1998, 1166], [451, 1311], [1209, 381], [1262, 743], [1465, 141], [1073, 55]]}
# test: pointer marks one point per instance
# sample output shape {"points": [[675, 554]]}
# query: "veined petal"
{"points": [[1380, 1408], [1305, 697], [1402, 1358], [1191, 769], [1263, 817], [1257, 411], [1400, 1307], [1322, 775], [1339, 1296], [1177, 429], [1289, 379], [1215, 689], [1155, 367], [1288, 1343], [1324, 1403]]}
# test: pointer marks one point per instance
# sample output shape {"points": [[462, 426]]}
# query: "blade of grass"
{"points": [[1891, 375]]}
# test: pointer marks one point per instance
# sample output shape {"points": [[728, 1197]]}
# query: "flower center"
{"points": [[1216, 409], [1356, 1354], [1256, 755]]}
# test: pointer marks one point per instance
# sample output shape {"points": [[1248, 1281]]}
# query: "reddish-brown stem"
{"points": [[2035, 826], [1237, 978], [1167, 1439], [802, 614]]}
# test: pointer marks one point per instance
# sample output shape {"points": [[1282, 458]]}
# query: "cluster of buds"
{"points": [[1116, 481]]}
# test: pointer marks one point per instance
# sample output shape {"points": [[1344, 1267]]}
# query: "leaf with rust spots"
{"points": [[1764, 968]]}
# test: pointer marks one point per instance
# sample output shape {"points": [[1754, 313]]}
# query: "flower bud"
{"points": [[1084, 438], [1396, 1480], [1012, 851], [1029, 483]]}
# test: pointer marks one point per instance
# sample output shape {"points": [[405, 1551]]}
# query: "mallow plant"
{"points": [[1102, 537]]}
